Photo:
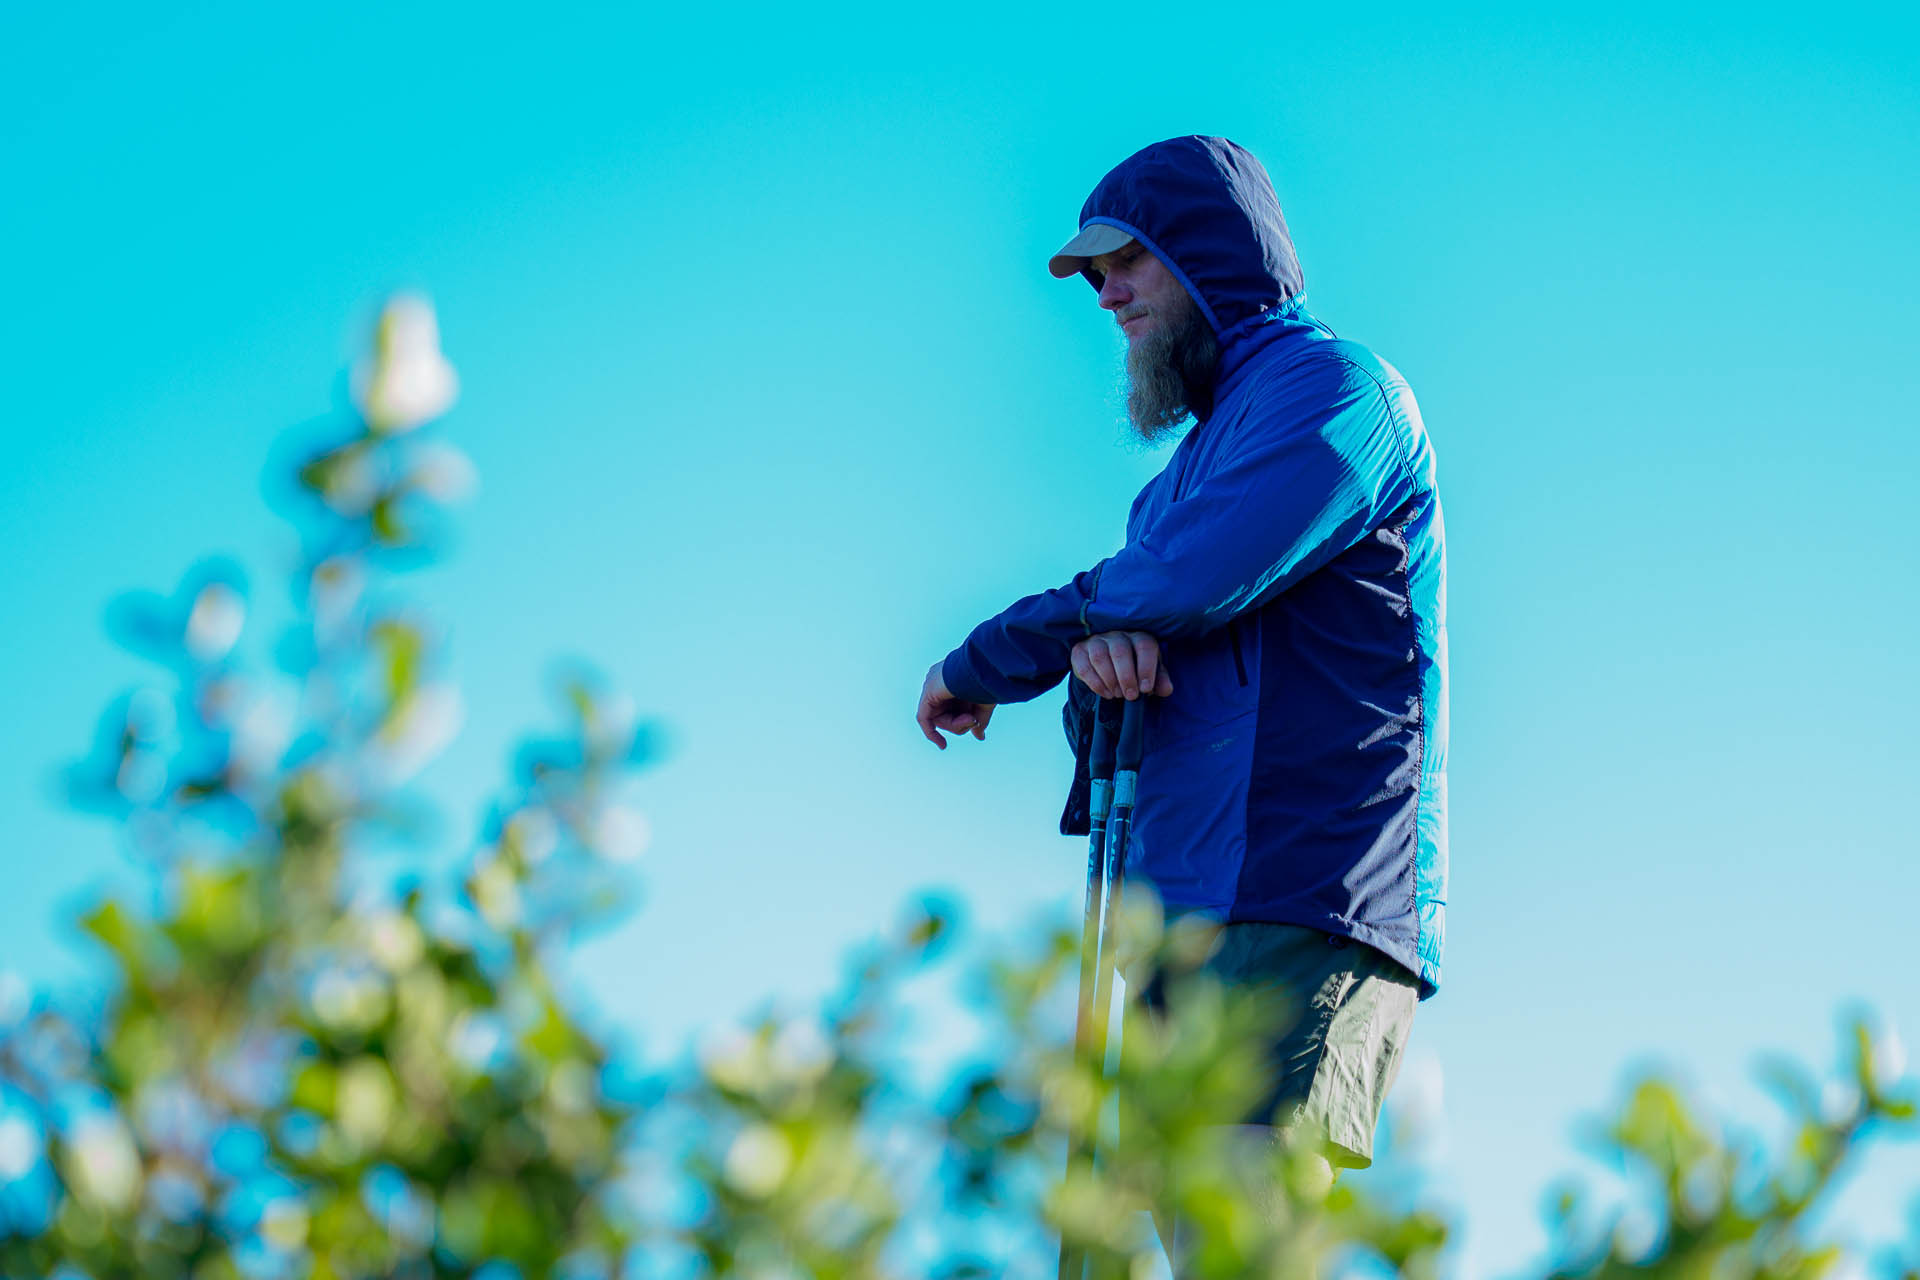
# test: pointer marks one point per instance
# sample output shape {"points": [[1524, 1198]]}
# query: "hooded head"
{"points": [[1206, 208]]}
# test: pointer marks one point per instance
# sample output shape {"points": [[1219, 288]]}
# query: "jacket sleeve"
{"points": [[1315, 466]]}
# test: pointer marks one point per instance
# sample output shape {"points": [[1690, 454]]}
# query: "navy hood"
{"points": [[1206, 208]]}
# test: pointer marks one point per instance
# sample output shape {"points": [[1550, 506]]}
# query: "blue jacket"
{"points": [[1291, 559]]}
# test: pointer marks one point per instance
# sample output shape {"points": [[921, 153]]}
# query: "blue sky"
{"points": [[772, 399]]}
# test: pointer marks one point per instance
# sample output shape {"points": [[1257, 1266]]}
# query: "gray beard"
{"points": [[1169, 368]]}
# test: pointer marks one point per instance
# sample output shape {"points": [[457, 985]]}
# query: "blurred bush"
{"points": [[300, 1070]]}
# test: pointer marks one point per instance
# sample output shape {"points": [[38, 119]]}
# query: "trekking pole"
{"points": [[1126, 782], [1108, 819], [1100, 801]]}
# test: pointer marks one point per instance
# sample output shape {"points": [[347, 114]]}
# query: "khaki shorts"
{"points": [[1332, 1067]]}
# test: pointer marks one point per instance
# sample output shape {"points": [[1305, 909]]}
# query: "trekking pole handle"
{"points": [[1100, 759], [1133, 734]]}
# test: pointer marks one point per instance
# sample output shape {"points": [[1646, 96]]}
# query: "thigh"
{"points": [[1344, 1013], [1355, 1059]]}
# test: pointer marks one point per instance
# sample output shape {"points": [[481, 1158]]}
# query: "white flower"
{"points": [[260, 737], [730, 1058], [170, 1117], [496, 894], [536, 834], [620, 834], [220, 699], [394, 940], [365, 1100], [443, 472], [610, 726], [476, 1039], [1700, 1190], [106, 1168], [758, 1160], [334, 588], [351, 1000], [351, 485], [215, 621], [19, 1146], [421, 729], [1635, 1231], [570, 1085], [15, 997], [801, 1051], [283, 1223], [1889, 1055], [407, 381]]}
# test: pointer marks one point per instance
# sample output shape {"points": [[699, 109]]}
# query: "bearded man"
{"points": [[1281, 603]]}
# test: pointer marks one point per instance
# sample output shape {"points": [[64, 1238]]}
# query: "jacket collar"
{"points": [[1243, 343]]}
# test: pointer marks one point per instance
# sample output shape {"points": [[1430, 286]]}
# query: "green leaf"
{"points": [[111, 924]]}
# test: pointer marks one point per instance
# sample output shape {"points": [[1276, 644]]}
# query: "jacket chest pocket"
{"points": [[1239, 656], [1214, 681]]}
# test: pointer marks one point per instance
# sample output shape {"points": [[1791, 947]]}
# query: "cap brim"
{"points": [[1094, 239]]}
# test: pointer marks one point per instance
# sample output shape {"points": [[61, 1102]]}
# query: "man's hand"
{"points": [[939, 709], [1121, 664]]}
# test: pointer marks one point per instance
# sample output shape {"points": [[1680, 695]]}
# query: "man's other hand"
{"points": [[1121, 664], [939, 709]]}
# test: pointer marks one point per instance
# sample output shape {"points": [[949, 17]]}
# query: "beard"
{"points": [[1170, 372]]}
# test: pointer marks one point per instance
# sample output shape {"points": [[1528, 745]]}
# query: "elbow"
{"points": [[1165, 614]]}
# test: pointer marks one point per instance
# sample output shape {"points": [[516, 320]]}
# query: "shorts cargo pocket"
{"points": [[1365, 1039]]}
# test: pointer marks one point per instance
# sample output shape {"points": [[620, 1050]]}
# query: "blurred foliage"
{"points": [[299, 1068], [1725, 1210]]}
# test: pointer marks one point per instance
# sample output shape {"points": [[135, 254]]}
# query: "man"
{"points": [[1280, 601]]}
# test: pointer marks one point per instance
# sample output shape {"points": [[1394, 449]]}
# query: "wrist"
{"points": [[957, 674]]}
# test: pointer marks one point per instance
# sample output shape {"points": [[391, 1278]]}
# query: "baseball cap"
{"points": [[1094, 239]]}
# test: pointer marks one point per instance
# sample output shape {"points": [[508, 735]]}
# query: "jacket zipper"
{"points": [[1239, 663]]}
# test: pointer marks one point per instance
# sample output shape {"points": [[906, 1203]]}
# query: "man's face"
{"points": [[1171, 349], [1139, 290]]}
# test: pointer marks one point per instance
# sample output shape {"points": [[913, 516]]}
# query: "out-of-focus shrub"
{"points": [[298, 1069]]}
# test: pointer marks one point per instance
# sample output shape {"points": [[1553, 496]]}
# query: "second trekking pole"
{"points": [[1126, 783], [1113, 768]]}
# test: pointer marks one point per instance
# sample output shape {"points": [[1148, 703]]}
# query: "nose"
{"points": [[1115, 292]]}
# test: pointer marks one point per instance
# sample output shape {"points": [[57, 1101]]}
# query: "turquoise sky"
{"points": [[772, 399]]}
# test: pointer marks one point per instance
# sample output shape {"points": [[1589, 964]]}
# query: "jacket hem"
{"points": [[1403, 952]]}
